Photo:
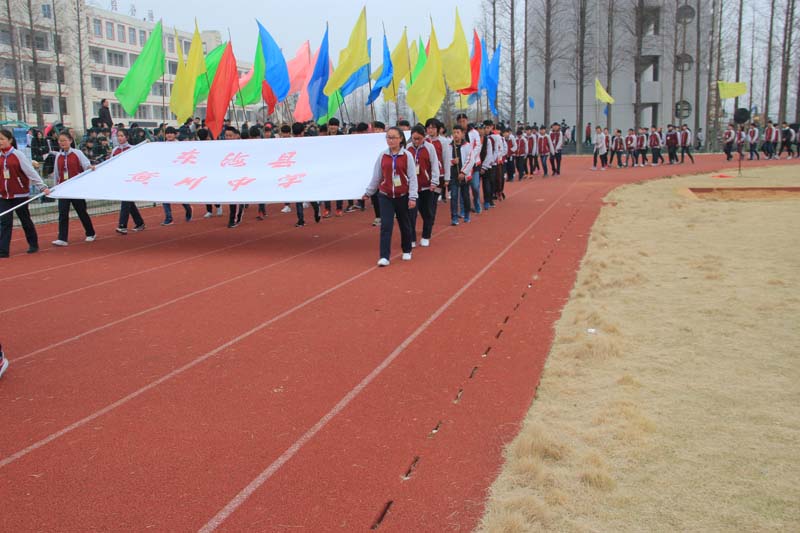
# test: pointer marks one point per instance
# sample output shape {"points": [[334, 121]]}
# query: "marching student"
{"points": [[557, 140], [630, 149], [427, 166], [395, 181], [69, 163], [298, 130], [488, 161], [126, 209], [787, 139], [728, 138], [600, 149], [521, 155], [170, 135], [204, 135], [433, 130], [511, 154], [533, 156], [460, 175], [766, 146], [473, 135], [686, 143], [235, 211], [641, 145], [544, 147], [18, 173], [499, 149], [617, 147], [752, 139], [672, 142], [444, 161], [663, 138], [741, 138], [655, 146]]}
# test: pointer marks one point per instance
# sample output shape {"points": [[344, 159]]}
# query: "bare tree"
{"points": [[697, 63], [525, 62], [768, 62], [547, 49], [513, 62], [713, 91], [37, 82], [739, 49], [613, 61], [786, 49], [18, 69], [579, 14]]}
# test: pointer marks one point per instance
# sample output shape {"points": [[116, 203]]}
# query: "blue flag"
{"points": [[531, 103], [605, 110], [473, 98], [319, 78], [484, 66], [387, 73], [275, 74], [359, 77], [493, 78]]}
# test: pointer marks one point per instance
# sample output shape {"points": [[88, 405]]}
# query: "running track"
{"points": [[269, 378]]}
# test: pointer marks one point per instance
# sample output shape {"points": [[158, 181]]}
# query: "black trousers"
{"points": [[656, 155], [611, 154], [522, 162], [127, 210], [7, 224], [643, 154], [426, 207], [555, 163], [533, 164], [728, 150], [298, 207], [487, 180], [686, 150], [544, 163], [392, 208], [63, 218], [754, 152], [235, 213], [786, 146], [673, 154]]}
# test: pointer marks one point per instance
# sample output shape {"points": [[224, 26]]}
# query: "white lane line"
{"points": [[240, 498]]}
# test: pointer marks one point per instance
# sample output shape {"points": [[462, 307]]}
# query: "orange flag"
{"points": [[223, 88]]}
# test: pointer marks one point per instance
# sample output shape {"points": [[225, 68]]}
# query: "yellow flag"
{"points": [[427, 94], [181, 101], [601, 94], [351, 58], [731, 89], [455, 59], [401, 65]]}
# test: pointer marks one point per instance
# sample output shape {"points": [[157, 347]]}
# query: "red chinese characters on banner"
{"points": [[187, 158], [191, 182], [237, 160], [286, 160], [290, 179], [241, 182], [143, 177]]}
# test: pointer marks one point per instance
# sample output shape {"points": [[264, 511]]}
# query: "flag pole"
{"points": [[163, 80], [411, 72], [394, 87]]}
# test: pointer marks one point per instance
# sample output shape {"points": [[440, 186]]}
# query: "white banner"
{"points": [[234, 172]]}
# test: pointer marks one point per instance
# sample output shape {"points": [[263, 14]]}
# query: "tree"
{"points": [[613, 61], [768, 62], [786, 51], [739, 49], [37, 82], [697, 62], [580, 15], [18, 70], [512, 63], [525, 62], [548, 48]]}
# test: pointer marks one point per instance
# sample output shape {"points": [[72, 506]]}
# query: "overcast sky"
{"points": [[291, 22]]}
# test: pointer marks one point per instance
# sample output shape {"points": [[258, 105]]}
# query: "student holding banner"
{"points": [[18, 173], [171, 135], [69, 163], [395, 181], [127, 209]]}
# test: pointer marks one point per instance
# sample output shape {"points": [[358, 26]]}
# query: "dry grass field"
{"points": [[671, 397]]}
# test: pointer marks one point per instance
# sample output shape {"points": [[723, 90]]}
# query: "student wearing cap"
{"points": [[170, 135]]}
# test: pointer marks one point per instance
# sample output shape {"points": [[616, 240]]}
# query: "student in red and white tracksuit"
{"points": [[728, 140], [557, 140], [69, 163], [544, 147], [630, 149], [672, 142], [641, 145], [770, 138], [685, 137], [511, 154], [521, 155], [618, 146], [126, 209], [427, 165], [460, 161], [395, 181], [600, 149], [533, 152], [752, 138], [655, 145], [18, 173], [432, 130]]}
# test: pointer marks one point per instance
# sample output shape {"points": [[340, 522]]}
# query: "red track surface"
{"points": [[270, 378]]}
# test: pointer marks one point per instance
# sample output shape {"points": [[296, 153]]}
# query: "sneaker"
{"points": [[233, 224], [467, 220], [317, 217], [91, 238], [306, 205], [167, 222], [188, 218], [407, 257], [140, 227], [122, 230], [454, 222], [383, 262], [603, 169], [376, 222], [59, 242], [4, 362], [208, 214], [339, 213], [413, 244], [32, 250], [425, 243], [286, 209], [259, 217], [326, 214], [351, 209], [219, 211], [300, 225], [594, 168]]}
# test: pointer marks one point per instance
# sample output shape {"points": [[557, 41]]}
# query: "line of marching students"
{"points": [[774, 141]]}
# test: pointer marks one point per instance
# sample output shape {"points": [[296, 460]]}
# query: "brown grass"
{"points": [[669, 400]]}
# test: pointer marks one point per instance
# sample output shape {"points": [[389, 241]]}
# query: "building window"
{"points": [[142, 37], [5, 35], [117, 111], [39, 40], [46, 101], [98, 27], [116, 59], [110, 30], [143, 112], [114, 83], [7, 70], [60, 75], [98, 82], [97, 54], [171, 45], [132, 35], [47, 11], [62, 105], [158, 89], [121, 33], [187, 45], [44, 71], [133, 58], [652, 21], [173, 67], [9, 102]]}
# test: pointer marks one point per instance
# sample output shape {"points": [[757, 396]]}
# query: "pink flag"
{"points": [[299, 68], [302, 111], [244, 80]]}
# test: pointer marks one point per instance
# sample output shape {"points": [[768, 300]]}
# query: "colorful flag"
{"points": [[387, 74], [302, 110], [317, 99], [359, 77], [731, 89], [203, 84], [455, 59], [422, 59], [413, 57], [182, 98], [224, 86], [475, 65], [147, 68], [250, 93], [351, 58], [493, 79], [482, 79], [276, 73], [427, 93], [401, 65], [601, 94], [531, 103], [299, 68]]}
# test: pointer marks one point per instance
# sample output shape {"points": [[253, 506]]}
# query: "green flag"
{"points": [[335, 101], [203, 86], [147, 68], [251, 93], [421, 60]]}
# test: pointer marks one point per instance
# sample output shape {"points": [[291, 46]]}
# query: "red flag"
{"points": [[269, 97], [223, 88], [475, 65]]}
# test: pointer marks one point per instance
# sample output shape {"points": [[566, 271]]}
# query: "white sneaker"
{"points": [[3, 364], [414, 244], [376, 222], [306, 205], [383, 262], [208, 214], [425, 243], [286, 209], [594, 168], [59, 242], [406, 257], [91, 238], [219, 211]]}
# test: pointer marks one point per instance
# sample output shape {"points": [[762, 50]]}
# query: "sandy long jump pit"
{"points": [[670, 400]]}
